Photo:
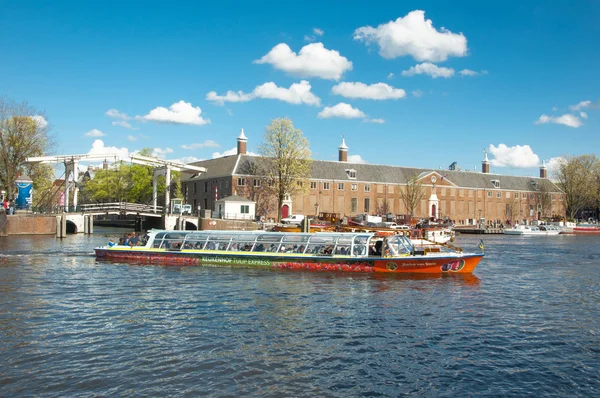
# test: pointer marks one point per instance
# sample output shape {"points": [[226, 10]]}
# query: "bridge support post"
{"points": [[85, 225], [91, 224], [61, 226]]}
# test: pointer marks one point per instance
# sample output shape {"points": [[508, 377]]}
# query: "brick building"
{"points": [[353, 188]]}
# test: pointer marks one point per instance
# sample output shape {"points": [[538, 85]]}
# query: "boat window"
{"points": [[176, 235], [397, 245], [171, 244], [296, 238], [271, 238], [359, 248], [342, 250]]}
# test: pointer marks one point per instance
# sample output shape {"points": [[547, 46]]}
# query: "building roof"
{"points": [[234, 198], [373, 173]]}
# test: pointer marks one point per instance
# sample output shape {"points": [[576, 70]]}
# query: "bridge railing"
{"points": [[123, 207]]}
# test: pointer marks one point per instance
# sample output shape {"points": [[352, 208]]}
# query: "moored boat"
{"points": [[528, 230], [587, 229], [335, 251]]}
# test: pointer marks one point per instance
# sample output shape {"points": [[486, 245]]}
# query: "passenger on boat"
{"points": [[126, 240], [259, 248], [111, 242], [134, 240], [198, 246], [121, 242], [300, 249]]}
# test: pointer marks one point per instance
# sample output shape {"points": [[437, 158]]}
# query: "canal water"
{"points": [[526, 323]]}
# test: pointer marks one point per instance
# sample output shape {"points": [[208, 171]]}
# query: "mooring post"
{"points": [[91, 225], [85, 225]]}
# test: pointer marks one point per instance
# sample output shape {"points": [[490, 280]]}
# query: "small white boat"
{"points": [[542, 230]]}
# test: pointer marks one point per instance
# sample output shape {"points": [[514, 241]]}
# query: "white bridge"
{"points": [[80, 218]]}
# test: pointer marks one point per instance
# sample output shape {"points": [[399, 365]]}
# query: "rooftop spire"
{"points": [[242, 137]]}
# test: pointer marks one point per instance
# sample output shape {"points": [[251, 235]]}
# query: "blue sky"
{"points": [[420, 84]]}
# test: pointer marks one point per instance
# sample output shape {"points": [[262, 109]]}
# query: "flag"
{"points": [[481, 244]]}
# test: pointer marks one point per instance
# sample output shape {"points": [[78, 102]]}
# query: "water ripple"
{"points": [[526, 324]]}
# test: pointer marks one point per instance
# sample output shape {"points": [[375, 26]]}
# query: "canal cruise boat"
{"points": [[333, 251]]}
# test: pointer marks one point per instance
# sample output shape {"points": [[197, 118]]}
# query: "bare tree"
{"points": [[287, 159], [544, 199], [257, 186], [412, 195], [24, 132], [383, 207], [577, 177]]}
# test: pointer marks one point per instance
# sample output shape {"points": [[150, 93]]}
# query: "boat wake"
{"points": [[22, 254]]}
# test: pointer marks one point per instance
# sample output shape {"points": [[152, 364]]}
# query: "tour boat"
{"points": [[585, 228], [334, 251], [543, 230]]}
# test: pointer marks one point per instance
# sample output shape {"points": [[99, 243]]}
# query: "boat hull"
{"points": [[430, 264], [586, 230]]}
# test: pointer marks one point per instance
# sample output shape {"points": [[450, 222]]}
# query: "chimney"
{"points": [[543, 170], [343, 152], [241, 143], [105, 165], [485, 165]]}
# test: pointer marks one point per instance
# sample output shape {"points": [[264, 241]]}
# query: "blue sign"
{"points": [[24, 197]]}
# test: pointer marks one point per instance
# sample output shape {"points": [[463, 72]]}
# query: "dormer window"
{"points": [[496, 183], [351, 174]]}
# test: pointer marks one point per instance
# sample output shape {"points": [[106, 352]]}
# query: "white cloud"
{"points": [[356, 159], [377, 91], [94, 133], [230, 96], [379, 121], [161, 153], [520, 156], [341, 110], [115, 114], [179, 113], [132, 138], [553, 164], [188, 159], [40, 121], [415, 36], [98, 148], [583, 115], [390, 75], [316, 33], [418, 93], [566, 119], [123, 123], [469, 72], [313, 60], [229, 152], [298, 93], [581, 105], [205, 144], [427, 68]]}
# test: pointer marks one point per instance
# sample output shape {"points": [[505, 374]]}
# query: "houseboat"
{"points": [[335, 251]]}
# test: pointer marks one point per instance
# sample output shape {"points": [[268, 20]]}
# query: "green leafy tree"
{"points": [[23, 133], [287, 160], [124, 182]]}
